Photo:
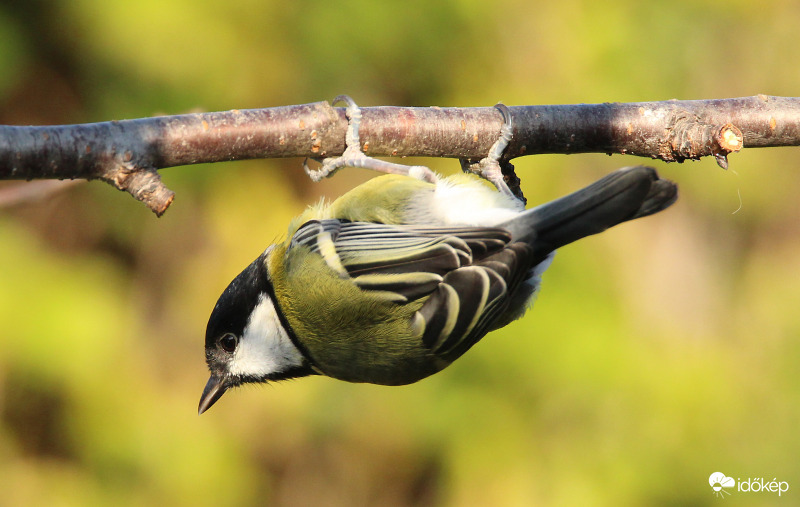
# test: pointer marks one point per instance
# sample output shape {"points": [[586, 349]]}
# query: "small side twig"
{"points": [[109, 151], [21, 193]]}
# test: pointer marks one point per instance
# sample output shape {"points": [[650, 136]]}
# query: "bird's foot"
{"points": [[492, 168], [354, 157]]}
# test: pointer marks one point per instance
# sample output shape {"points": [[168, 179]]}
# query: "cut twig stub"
{"points": [[143, 184], [730, 138], [689, 138]]}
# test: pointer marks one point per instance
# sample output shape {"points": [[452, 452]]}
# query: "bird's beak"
{"points": [[214, 390]]}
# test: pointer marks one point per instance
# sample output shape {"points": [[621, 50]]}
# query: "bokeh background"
{"points": [[658, 353]]}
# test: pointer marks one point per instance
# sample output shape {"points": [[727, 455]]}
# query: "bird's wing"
{"points": [[467, 272]]}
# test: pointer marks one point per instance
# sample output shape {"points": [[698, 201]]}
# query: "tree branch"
{"points": [[128, 153]]}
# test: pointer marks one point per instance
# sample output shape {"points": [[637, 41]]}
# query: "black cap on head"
{"points": [[234, 306]]}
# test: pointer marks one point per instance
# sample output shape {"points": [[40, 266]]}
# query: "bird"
{"points": [[400, 276]]}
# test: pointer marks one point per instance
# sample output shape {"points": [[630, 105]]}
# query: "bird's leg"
{"points": [[354, 157], [491, 167]]}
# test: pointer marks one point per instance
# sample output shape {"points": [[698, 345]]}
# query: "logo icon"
{"points": [[718, 481]]}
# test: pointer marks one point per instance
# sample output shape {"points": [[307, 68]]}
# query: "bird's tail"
{"points": [[626, 194]]}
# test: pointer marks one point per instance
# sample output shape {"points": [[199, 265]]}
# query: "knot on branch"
{"points": [[689, 138], [143, 183]]}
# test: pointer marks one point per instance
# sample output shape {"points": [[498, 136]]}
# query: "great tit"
{"points": [[397, 278]]}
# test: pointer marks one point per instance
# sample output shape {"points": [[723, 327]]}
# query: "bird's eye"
{"points": [[228, 342]]}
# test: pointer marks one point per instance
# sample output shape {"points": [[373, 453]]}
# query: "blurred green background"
{"points": [[658, 353]]}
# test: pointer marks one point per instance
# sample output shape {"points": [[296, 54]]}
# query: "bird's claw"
{"points": [[491, 167], [323, 172], [354, 157]]}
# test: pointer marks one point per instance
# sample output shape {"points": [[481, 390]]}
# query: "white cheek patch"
{"points": [[264, 347]]}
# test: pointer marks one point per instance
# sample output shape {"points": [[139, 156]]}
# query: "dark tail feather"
{"points": [[626, 194]]}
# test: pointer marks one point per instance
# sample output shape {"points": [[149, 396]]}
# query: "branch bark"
{"points": [[128, 153]]}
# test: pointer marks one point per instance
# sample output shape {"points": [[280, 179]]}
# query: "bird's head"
{"points": [[247, 339]]}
